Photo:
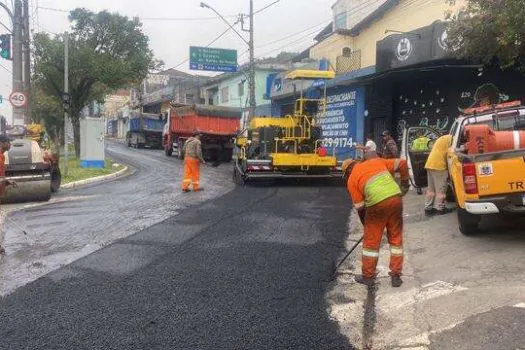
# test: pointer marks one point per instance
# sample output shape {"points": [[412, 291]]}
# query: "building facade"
{"points": [[170, 86], [393, 70], [232, 90]]}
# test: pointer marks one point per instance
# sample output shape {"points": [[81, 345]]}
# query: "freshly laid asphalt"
{"points": [[248, 270]]}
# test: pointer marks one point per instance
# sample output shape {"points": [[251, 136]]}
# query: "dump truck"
{"points": [[33, 168], [217, 125], [145, 130], [485, 163], [290, 146]]}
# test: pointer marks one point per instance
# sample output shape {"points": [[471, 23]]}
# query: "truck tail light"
{"points": [[469, 178]]}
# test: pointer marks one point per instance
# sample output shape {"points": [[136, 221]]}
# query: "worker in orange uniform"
{"points": [[437, 175], [192, 158], [377, 198], [5, 145], [390, 149]]}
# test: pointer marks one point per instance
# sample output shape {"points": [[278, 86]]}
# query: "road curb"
{"points": [[95, 180]]}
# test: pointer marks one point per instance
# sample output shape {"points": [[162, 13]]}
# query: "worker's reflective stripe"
{"points": [[195, 182], [186, 181], [397, 163], [380, 187], [370, 253], [516, 135], [396, 250], [359, 205]]}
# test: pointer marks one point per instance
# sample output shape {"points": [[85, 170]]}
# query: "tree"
{"points": [[490, 32], [46, 108], [282, 57], [107, 51]]}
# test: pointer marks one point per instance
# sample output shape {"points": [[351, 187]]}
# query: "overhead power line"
{"points": [[211, 43], [209, 18], [150, 18], [267, 6], [418, 3]]}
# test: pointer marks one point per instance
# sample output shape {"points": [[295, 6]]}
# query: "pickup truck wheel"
{"points": [[468, 223]]}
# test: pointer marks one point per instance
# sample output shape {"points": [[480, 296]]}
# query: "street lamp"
{"points": [[251, 80]]}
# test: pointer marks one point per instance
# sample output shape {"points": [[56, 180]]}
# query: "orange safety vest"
{"points": [[372, 181]]}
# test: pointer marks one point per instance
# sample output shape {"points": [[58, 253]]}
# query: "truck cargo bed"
{"points": [[212, 120]]}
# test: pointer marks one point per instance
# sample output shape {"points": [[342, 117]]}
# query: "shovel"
{"points": [[334, 270]]}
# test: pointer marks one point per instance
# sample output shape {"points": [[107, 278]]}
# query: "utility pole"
{"points": [[27, 62], [250, 43], [66, 97], [18, 112], [251, 81]]}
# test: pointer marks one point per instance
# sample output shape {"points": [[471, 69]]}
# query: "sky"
{"points": [[287, 25]]}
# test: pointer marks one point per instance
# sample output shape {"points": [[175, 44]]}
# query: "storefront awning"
{"points": [[310, 74], [393, 73]]}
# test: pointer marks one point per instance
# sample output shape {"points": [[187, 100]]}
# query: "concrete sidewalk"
{"points": [[352, 304], [454, 287]]}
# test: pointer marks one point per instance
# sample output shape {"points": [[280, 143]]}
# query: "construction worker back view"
{"points": [[437, 174], [377, 198], [192, 158]]}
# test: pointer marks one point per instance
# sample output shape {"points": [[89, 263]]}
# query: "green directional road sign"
{"points": [[211, 59]]}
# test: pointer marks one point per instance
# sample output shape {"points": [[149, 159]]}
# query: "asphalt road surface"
{"points": [[245, 270], [78, 222]]}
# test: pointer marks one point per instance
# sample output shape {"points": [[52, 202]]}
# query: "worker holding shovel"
{"points": [[5, 145], [377, 198], [192, 158]]}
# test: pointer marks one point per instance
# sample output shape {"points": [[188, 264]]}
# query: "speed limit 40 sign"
{"points": [[18, 99]]}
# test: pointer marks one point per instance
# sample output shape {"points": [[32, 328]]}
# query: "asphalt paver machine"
{"points": [[289, 146]]}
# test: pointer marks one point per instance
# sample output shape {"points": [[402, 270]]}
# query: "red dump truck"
{"points": [[217, 125]]}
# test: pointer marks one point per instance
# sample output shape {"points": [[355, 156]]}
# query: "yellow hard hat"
{"points": [[346, 164]]}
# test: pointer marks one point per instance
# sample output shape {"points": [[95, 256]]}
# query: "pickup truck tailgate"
{"points": [[501, 176]]}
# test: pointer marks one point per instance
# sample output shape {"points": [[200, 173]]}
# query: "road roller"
{"points": [[34, 169]]}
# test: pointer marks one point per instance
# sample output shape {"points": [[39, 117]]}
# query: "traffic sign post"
{"points": [[215, 60], [18, 99]]}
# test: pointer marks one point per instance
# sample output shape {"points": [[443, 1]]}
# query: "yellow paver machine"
{"points": [[290, 146]]}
